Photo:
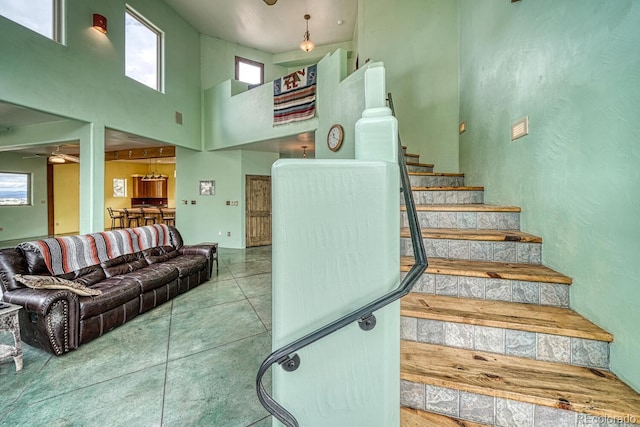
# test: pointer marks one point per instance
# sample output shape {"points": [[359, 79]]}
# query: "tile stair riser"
{"points": [[415, 168], [478, 250], [411, 157], [466, 220], [551, 294], [440, 197], [495, 410], [529, 345], [436, 181]]}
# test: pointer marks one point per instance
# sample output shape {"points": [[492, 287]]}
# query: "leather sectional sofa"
{"points": [[128, 272]]}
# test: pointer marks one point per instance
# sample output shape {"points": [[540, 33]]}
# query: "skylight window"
{"points": [[143, 50], [249, 71], [41, 16]]}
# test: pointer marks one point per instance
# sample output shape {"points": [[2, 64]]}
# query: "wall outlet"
{"points": [[193, 202], [228, 234]]}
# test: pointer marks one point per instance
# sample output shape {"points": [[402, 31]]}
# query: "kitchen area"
{"points": [[143, 187]]}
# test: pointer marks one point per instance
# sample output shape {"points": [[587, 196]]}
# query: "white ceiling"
{"points": [[274, 29]]}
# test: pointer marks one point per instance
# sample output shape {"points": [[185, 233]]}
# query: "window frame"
{"points": [[260, 65], [159, 48], [57, 34], [29, 185]]}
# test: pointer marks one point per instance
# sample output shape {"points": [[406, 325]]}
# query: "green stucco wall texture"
{"points": [[572, 67], [15, 219], [84, 78], [418, 42]]}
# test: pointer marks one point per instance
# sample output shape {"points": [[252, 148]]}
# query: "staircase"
{"points": [[488, 338]]}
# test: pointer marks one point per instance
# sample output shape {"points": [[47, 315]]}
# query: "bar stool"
{"points": [[132, 217], [148, 218], [114, 217], [167, 218]]}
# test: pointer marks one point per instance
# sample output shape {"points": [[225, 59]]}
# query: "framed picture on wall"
{"points": [[207, 188], [119, 187]]}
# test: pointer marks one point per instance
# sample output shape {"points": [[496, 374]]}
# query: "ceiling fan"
{"points": [[56, 157]]}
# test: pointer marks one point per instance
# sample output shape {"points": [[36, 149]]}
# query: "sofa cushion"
{"points": [[35, 261], [53, 282], [187, 264], [153, 276], [115, 292], [160, 254], [176, 238], [12, 261], [124, 264], [87, 276]]}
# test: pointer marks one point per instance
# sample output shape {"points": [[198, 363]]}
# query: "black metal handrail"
{"points": [[286, 357]]}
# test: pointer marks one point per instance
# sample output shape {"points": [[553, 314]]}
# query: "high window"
{"points": [[249, 71], [41, 16], [15, 189], [143, 50]]}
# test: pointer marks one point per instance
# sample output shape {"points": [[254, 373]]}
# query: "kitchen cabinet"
{"points": [[147, 192]]}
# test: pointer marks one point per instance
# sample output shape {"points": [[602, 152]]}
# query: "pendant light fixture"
{"points": [[307, 45], [304, 151]]}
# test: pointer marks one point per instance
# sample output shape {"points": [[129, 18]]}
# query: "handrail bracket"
{"points": [[290, 363], [367, 322]]}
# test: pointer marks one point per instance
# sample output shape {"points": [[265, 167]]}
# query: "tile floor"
{"points": [[190, 362]]}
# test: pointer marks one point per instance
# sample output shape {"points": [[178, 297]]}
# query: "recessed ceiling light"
{"points": [[340, 22]]}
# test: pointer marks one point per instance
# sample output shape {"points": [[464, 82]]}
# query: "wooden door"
{"points": [[258, 208]]}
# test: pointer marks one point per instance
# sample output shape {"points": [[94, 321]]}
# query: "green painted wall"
{"points": [[418, 42], [218, 61], [210, 218], [16, 221], [85, 80], [572, 67], [340, 101], [234, 117]]}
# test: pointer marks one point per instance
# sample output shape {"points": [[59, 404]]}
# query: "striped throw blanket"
{"points": [[294, 96], [70, 253]]}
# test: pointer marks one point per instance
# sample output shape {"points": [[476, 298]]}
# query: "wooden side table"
{"points": [[9, 322]]}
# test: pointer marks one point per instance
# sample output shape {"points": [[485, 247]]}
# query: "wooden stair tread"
{"points": [[585, 390], [428, 165], [411, 155], [501, 314], [469, 207], [415, 418], [462, 188], [490, 269], [473, 234], [460, 175]]}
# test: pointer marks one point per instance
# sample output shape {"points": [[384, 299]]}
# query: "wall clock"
{"points": [[335, 137]]}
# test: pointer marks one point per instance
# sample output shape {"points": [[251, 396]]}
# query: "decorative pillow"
{"points": [[52, 282]]}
